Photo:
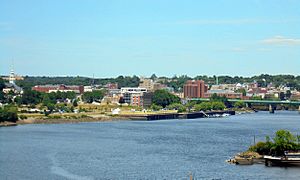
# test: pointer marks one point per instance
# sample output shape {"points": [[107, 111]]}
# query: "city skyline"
{"points": [[109, 39]]}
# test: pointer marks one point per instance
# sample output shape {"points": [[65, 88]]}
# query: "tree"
{"points": [[31, 97], [283, 141], [288, 94], [218, 105], [164, 98], [239, 104], [190, 105], [2, 84], [243, 91], [177, 106], [155, 107], [281, 96], [90, 97], [128, 81], [8, 113], [256, 98], [204, 106], [214, 97], [50, 107], [2, 97]]}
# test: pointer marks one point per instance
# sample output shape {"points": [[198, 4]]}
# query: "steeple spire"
{"points": [[12, 77]]}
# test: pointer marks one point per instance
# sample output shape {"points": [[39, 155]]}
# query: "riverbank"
{"points": [[69, 120], [62, 120], [75, 118], [6, 124]]}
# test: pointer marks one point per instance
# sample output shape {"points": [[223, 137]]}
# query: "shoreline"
{"points": [[102, 118], [62, 120]]}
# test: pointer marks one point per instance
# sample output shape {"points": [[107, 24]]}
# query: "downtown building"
{"points": [[133, 95], [194, 89], [198, 89], [60, 88]]}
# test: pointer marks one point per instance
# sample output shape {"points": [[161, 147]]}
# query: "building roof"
{"points": [[14, 86], [221, 91]]}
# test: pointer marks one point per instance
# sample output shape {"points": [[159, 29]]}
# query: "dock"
{"points": [[164, 116]]}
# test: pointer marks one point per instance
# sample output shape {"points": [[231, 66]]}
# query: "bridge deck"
{"points": [[252, 101]]}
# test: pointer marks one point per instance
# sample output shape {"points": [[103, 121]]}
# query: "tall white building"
{"points": [[12, 77]]}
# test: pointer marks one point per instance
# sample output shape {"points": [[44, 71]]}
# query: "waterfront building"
{"points": [[194, 89], [56, 88], [147, 99], [133, 95], [88, 88], [257, 92], [152, 86], [147, 83], [295, 96], [111, 86], [227, 93], [12, 87], [133, 90], [134, 99]]}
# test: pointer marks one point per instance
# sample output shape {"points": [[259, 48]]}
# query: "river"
{"points": [[167, 149]]}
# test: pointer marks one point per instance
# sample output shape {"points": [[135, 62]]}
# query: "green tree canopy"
{"points": [[177, 106], [207, 106], [288, 94], [2, 84], [204, 106], [239, 104], [8, 113], [164, 98], [30, 97], [90, 97], [156, 107], [283, 141]]}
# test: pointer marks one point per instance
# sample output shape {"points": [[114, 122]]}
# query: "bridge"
{"points": [[271, 104]]}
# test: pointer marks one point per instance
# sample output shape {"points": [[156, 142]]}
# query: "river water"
{"points": [[167, 149]]}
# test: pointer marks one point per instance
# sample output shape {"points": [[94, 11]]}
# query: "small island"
{"points": [[282, 150]]}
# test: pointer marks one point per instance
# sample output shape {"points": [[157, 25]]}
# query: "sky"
{"points": [[108, 38]]}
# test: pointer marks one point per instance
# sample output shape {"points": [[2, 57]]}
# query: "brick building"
{"points": [[61, 88], [194, 89]]}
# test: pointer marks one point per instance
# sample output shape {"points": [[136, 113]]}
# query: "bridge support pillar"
{"points": [[299, 109], [271, 108]]}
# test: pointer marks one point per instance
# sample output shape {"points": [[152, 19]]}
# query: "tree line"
{"points": [[176, 82], [123, 81]]}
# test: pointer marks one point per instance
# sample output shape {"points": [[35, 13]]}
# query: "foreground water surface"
{"points": [[168, 149]]}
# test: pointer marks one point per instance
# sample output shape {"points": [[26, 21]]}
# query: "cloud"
{"points": [[281, 40]]}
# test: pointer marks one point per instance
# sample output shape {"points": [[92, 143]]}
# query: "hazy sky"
{"points": [[167, 37]]}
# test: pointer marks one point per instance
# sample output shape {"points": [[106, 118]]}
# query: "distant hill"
{"points": [[175, 82]]}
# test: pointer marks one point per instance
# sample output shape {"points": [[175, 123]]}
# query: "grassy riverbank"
{"points": [[37, 118], [62, 119]]}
